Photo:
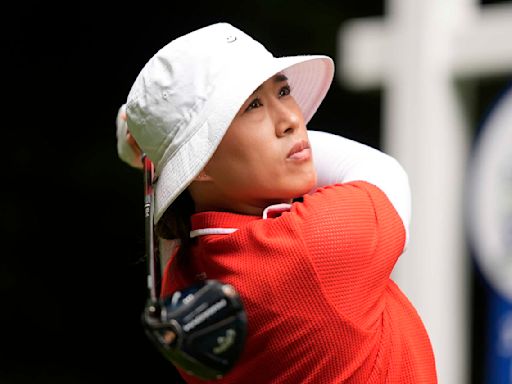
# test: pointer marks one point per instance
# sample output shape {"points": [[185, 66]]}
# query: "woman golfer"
{"points": [[306, 225]]}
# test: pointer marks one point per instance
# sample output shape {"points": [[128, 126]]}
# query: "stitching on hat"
{"points": [[192, 112]]}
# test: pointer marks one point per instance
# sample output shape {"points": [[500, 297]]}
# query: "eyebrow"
{"points": [[278, 78]]}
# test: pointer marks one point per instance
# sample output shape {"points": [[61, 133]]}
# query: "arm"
{"points": [[127, 148], [341, 160]]}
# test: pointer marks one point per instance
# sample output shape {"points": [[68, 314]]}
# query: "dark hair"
{"points": [[175, 223]]}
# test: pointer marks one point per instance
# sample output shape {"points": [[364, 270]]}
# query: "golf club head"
{"points": [[201, 329]]}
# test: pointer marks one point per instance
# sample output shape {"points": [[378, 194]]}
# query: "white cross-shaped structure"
{"points": [[416, 54]]}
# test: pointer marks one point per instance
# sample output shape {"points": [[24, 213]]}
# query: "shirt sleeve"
{"points": [[340, 160], [353, 237]]}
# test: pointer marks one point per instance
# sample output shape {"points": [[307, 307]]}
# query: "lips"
{"points": [[300, 151]]}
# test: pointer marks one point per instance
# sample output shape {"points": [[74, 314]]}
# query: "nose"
{"points": [[287, 117]]}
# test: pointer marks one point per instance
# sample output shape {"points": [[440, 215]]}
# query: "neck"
{"points": [[252, 209]]}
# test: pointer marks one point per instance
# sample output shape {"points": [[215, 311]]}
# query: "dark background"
{"points": [[72, 272]]}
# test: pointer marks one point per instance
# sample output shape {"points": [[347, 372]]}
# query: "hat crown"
{"points": [[173, 91]]}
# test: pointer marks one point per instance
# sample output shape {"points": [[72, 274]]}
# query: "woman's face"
{"points": [[264, 158]]}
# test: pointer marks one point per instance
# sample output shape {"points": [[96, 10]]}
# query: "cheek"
{"points": [[246, 166], [248, 145], [246, 162]]}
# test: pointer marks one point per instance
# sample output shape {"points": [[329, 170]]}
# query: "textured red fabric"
{"points": [[315, 283]]}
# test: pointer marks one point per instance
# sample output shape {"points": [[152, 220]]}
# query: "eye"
{"points": [[254, 104], [285, 91]]}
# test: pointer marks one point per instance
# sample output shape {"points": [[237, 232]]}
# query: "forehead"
{"points": [[277, 78]]}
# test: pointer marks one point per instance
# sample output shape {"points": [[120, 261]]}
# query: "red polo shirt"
{"points": [[315, 283]]}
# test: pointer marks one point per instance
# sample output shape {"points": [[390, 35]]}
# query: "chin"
{"points": [[304, 188], [292, 186], [309, 183]]}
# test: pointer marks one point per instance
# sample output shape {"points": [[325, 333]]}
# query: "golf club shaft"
{"points": [[148, 220]]}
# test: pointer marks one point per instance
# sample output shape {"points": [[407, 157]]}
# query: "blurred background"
{"points": [[72, 268]]}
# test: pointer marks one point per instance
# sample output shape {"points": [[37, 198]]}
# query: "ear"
{"points": [[203, 176]]}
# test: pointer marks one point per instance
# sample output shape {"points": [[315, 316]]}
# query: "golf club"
{"points": [[200, 329]]}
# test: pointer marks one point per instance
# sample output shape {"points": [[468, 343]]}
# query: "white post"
{"points": [[416, 54]]}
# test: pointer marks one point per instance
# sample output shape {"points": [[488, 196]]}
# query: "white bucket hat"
{"points": [[184, 99]]}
